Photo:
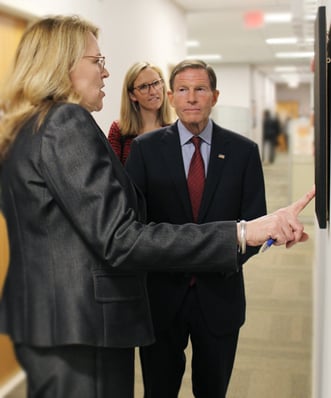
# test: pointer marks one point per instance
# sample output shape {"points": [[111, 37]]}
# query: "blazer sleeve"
{"points": [[95, 193], [136, 167]]}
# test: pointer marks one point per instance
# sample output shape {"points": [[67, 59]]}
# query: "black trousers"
{"points": [[163, 363], [77, 371]]}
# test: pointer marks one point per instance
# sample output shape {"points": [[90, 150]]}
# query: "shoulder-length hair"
{"points": [[131, 121], [48, 51]]}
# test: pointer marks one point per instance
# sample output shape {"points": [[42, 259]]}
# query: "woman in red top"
{"points": [[144, 107]]}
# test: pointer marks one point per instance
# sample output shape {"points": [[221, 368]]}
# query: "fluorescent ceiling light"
{"points": [[297, 54], [293, 84], [309, 40], [282, 40], [277, 17], [310, 17], [282, 69], [291, 80], [192, 43], [206, 57]]}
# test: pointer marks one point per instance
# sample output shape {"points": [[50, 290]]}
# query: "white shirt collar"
{"points": [[185, 135]]}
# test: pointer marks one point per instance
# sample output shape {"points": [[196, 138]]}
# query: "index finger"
{"points": [[301, 203]]}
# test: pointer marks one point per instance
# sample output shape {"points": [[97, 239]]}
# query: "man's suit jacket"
{"points": [[234, 190], [78, 248]]}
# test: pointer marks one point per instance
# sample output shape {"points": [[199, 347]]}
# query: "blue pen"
{"points": [[266, 245]]}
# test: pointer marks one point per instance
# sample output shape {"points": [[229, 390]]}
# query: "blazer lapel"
{"points": [[175, 167]]}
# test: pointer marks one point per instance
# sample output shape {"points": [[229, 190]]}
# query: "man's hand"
{"points": [[283, 225]]}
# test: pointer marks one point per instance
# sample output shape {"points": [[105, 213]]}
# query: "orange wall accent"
{"points": [[11, 30], [286, 109], [8, 363], [4, 250]]}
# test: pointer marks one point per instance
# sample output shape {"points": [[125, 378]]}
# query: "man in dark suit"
{"points": [[208, 308]]}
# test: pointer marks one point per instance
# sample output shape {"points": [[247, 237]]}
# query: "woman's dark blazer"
{"points": [[78, 247]]}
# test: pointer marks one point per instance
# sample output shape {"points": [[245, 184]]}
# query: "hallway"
{"points": [[274, 353]]}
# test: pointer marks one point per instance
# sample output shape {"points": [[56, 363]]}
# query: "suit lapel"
{"points": [[216, 164], [173, 158]]}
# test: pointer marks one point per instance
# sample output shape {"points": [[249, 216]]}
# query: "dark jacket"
{"points": [[78, 249], [234, 190]]}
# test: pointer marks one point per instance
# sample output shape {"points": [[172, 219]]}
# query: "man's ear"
{"points": [[216, 94], [170, 97]]}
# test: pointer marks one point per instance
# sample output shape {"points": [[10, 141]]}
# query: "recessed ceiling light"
{"points": [[206, 57], [293, 84], [282, 40], [292, 80], [192, 43], [282, 69], [310, 17], [297, 54], [309, 40], [277, 17]]}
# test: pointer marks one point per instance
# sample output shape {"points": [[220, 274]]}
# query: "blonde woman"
{"points": [[144, 107]]}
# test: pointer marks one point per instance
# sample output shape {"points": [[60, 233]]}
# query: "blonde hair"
{"points": [[131, 121], [48, 51]]}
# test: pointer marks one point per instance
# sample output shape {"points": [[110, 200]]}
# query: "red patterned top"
{"points": [[120, 143]]}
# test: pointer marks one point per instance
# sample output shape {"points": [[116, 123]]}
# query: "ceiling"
{"points": [[238, 29]]}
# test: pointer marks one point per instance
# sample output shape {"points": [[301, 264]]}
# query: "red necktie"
{"points": [[196, 178]]}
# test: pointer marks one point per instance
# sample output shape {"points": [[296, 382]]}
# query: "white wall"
{"points": [[130, 31], [244, 93], [234, 84]]}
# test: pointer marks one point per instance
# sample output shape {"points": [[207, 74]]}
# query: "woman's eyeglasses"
{"points": [[100, 59], [145, 88]]}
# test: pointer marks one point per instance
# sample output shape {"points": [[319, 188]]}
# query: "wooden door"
{"points": [[8, 364]]}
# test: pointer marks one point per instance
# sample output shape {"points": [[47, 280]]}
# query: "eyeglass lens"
{"points": [[101, 60], [144, 88]]}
